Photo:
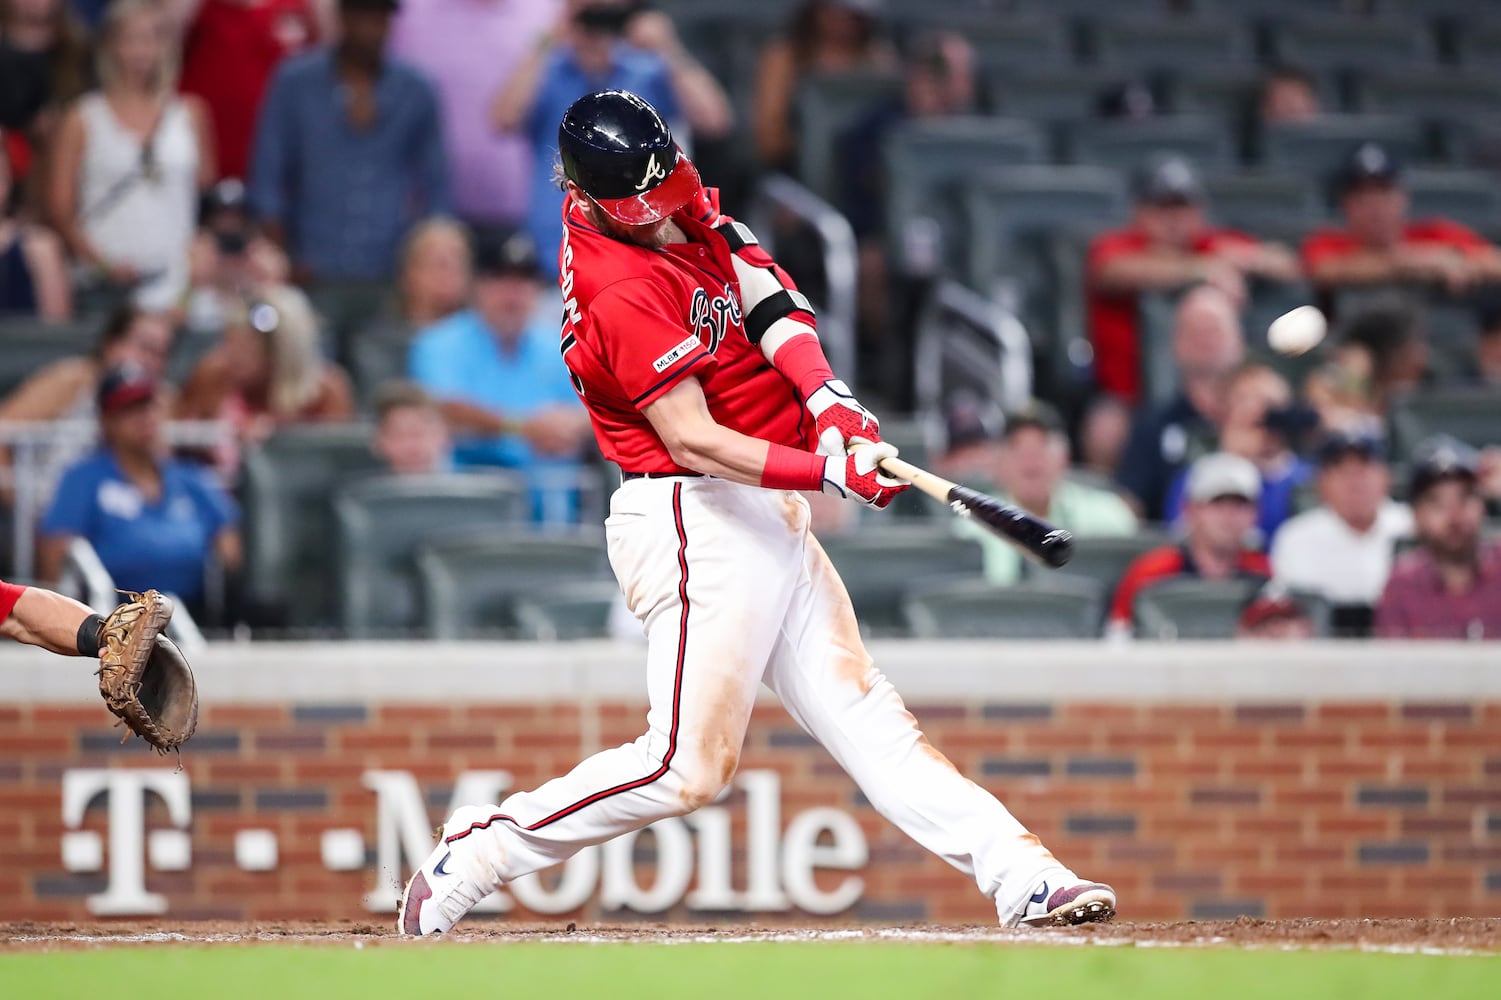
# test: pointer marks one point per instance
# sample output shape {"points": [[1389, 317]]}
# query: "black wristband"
{"points": [[88, 636]]}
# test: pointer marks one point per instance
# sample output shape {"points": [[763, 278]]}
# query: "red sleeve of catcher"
{"points": [[10, 593]]}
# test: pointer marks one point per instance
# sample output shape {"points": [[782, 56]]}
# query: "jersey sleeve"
{"points": [[645, 341]]}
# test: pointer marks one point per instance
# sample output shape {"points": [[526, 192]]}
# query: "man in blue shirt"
{"points": [[154, 521], [348, 152], [499, 377]]}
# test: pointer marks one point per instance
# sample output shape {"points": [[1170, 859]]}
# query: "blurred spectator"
{"points": [[1221, 511], [437, 268], [1168, 245], [972, 431], [1485, 368], [348, 152], [494, 370], [44, 64], [1260, 418], [1128, 101], [129, 162], [1342, 549], [1273, 614], [1208, 345], [1030, 469], [267, 373], [1450, 586], [1288, 94], [66, 388], [154, 521], [1103, 431], [470, 49], [33, 268], [228, 260], [823, 37], [1379, 244], [601, 45], [229, 50], [411, 437], [1381, 356]]}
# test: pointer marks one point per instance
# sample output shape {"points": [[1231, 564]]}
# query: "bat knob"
{"points": [[1056, 547]]}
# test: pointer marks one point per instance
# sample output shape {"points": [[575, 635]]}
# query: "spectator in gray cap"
{"points": [[1450, 586]]}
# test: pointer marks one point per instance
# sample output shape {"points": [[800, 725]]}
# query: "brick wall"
{"points": [[1325, 808]]}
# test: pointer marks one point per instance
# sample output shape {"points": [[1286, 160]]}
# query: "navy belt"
{"points": [[660, 475]]}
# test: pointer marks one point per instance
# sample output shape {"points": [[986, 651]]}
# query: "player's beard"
{"points": [[653, 236]]}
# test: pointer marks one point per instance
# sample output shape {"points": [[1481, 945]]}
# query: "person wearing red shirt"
{"points": [[700, 364], [1379, 244], [1168, 245], [230, 49], [1223, 491]]}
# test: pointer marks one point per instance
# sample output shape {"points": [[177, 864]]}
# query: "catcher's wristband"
{"points": [[88, 636], [789, 469]]}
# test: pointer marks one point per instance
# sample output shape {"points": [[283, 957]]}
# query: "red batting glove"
{"points": [[855, 476], [840, 421]]}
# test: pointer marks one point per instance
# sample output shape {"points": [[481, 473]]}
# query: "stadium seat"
{"points": [[1353, 43], [1007, 203], [1104, 559], [1316, 149], [1049, 95], [579, 610], [1126, 144], [378, 355], [287, 491], [1191, 608], [1472, 416], [1265, 203], [926, 163], [1467, 196], [383, 522], [1146, 45], [1021, 40], [28, 344], [827, 107], [1435, 94], [1479, 44], [878, 568], [471, 583], [1058, 608]]}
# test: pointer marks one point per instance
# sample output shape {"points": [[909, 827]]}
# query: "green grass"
{"points": [[825, 971]]}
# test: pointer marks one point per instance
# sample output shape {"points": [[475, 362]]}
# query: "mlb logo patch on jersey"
{"points": [[679, 352]]}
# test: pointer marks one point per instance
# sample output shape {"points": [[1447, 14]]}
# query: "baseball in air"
{"points": [[1297, 331]]}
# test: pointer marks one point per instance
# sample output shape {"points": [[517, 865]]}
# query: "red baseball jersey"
{"points": [[637, 321]]}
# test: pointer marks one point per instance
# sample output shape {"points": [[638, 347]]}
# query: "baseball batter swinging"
{"points": [[701, 368]]}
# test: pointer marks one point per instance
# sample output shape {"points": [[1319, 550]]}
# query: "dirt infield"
{"points": [[1457, 935]]}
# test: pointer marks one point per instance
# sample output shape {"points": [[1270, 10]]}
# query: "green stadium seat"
{"points": [[568, 611], [1145, 45], [1317, 148], [1479, 44], [1443, 94], [1191, 608], [1059, 608], [287, 491], [471, 583], [1062, 94], [1264, 203], [1467, 196], [1353, 43], [1104, 559], [1125, 145], [1024, 39], [28, 344], [1473, 416], [383, 522], [879, 567], [827, 107]]}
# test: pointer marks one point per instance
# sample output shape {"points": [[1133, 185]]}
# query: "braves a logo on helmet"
{"points": [[711, 318], [654, 172]]}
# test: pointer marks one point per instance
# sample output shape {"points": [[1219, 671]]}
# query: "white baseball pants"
{"points": [[733, 592]]}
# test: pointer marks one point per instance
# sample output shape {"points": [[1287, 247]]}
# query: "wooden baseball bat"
{"points": [[1034, 536]]}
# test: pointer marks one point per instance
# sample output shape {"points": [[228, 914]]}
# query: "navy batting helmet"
{"points": [[616, 147]]}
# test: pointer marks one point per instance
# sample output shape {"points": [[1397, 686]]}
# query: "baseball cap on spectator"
{"points": [[1035, 414], [1368, 163], [1221, 474], [1438, 459], [970, 419], [1340, 442], [1168, 180], [501, 254], [125, 386], [1267, 605]]}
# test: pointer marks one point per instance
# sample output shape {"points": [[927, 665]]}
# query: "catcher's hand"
{"points": [[143, 676]]}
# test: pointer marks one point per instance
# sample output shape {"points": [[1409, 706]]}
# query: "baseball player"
{"points": [[700, 365]]}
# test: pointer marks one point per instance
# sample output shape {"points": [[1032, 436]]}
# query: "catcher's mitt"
{"points": [[143, 676]]}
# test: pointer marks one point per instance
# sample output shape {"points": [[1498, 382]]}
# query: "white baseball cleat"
{"points": [[453, 879], [1065, 903]]}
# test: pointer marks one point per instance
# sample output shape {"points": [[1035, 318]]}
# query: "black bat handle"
{"points": [[1053, 546]]}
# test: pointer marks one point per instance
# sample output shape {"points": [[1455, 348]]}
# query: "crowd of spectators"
{"points": [[284, 212]]}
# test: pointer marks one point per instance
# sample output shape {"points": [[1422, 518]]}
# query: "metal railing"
{"points": [[961, 330], [841, 261], [40, 452], [84, 574]]}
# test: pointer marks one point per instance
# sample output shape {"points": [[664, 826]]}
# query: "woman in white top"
{"points": [[130, 161]]}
